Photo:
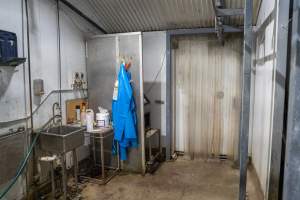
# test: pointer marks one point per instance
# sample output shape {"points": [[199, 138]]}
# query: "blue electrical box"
{"points": [[9, 49]]}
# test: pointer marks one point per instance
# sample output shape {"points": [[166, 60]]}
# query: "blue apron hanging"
{"points": [[124, 114]]}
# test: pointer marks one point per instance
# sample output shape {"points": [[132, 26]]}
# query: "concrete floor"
{"points": [[179, 180]]}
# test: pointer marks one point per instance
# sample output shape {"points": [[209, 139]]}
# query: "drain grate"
{"points": [[223, 157]]}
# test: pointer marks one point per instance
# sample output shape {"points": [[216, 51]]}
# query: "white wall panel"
{"points": [[262, 121], [262, 97]]}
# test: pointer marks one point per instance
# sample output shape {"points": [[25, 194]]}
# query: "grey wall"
{"points": [[14, 95], [154, 67]]}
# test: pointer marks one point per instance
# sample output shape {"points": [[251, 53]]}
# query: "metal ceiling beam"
{"points": [[76, 10], [228, 29], [229, 12], [195, 31], [246, 89]]}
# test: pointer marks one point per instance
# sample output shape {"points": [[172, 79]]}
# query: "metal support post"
{"points": [[52, 180], [64, 176], [102, 159], [75, 163], [246, 88], [280, 73], [291, 185]]}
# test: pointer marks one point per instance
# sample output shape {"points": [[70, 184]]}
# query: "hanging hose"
{"points": [[24, 162], [21, 169]]}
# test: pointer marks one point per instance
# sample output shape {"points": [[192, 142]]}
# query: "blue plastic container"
{"points": [[8, 45]]}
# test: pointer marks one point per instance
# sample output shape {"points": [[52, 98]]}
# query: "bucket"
{"points": [[102, 119]]}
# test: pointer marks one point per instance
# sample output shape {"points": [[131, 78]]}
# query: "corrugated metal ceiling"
{"points": [[117, 16]]}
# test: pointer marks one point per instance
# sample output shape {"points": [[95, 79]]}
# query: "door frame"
{"points": [[170, 90]]}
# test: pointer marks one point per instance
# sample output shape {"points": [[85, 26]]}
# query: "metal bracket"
{"points": [[219, 19], [229, 12]]}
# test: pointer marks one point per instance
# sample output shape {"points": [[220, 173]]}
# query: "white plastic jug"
{"points": [[89, 120]]}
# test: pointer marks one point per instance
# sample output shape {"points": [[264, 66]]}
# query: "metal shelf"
{"points": [[12, 62]]}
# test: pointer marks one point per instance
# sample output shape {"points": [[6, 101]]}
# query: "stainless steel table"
{"points": [[101, 134]]}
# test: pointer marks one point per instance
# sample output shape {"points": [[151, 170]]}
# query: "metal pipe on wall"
{"points": [[27, 136], [29, 63], [33, 167], [59, 50], [12, 122]]}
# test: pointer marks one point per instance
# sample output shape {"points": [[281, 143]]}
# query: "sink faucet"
{"points": [[55, 106]]}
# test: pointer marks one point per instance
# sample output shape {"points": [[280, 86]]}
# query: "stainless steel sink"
{"points": [[62, 139]]}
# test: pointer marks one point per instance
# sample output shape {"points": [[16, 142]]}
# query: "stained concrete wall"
{"points": [[14, 87]]}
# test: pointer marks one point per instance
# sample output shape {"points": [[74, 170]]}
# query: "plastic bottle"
{"points": [[89, 120], [83, 115], [77, 109]]}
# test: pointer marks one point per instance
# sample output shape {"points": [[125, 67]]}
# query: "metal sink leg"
{"points": [[52, 180], [75, 163], [64, 176]]}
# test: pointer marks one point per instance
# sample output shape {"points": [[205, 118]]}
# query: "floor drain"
{"points": [[223, 157]]}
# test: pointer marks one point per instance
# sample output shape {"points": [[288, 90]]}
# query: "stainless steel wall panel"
{"points": [[104, 56], [101, 71], [129, 48]]}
